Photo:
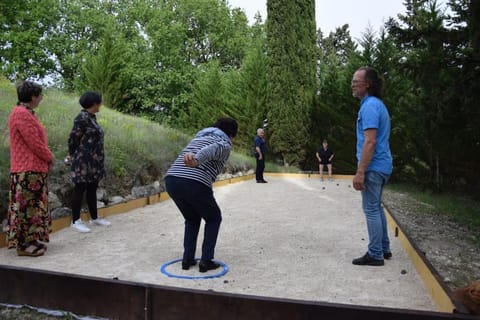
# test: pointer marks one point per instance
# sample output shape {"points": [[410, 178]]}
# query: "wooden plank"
{"points": [[116, 299], [440, 294], [3, 239], [78, 294], [123, 207], [153, 199]]}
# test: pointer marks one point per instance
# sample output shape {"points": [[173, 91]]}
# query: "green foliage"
{"points": [[291, 76], [75, 34], [207, 98], [24, 29], [6, 92], [462, 116], [184, 36], [219, 90], [106, 70], [437, 60], [335, 111], [246, 94]]}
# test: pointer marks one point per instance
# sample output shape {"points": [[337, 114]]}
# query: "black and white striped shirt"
{"points": [[211, 147]]}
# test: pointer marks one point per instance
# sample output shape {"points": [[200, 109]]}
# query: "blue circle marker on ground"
{"points": [[163, 269]]}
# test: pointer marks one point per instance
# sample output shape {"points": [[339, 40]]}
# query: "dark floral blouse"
{"points": [[85, 146]]}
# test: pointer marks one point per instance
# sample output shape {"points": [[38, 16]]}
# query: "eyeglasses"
{"points": [[357, 81]]}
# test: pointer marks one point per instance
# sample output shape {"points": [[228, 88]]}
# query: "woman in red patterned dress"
{"points": [[29, 218]]}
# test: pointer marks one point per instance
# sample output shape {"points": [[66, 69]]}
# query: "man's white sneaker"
{"points": [[100, 222], [80, 226]]}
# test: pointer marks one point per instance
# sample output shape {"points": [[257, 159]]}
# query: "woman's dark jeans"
{"points": [[195, 201]]}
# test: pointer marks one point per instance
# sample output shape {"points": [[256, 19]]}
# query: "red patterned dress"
{"points": [[28, 214]]}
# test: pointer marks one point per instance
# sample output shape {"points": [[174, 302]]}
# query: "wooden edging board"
{"points": [[118, 299]]}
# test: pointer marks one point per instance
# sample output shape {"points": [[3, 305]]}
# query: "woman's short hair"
{"points": [[90, 98], [227, 125], [26, 90]]}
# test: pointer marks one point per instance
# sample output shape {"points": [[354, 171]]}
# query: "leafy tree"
{"points": [[207, 98], [75, 35], [340, 43], [463, 52], [246, 91], [423, 42], [79, 29], [184, 35], [335, 110], [163, 45], [25, 27], [400, 99], [239, 93], [369, 45], [106, 70], [291, 76]]}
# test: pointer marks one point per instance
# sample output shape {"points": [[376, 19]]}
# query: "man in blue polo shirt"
{"points": [[374, 162]]}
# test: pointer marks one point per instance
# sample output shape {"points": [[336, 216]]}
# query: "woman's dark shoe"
{"points": [[206, 265], [186, 264]]}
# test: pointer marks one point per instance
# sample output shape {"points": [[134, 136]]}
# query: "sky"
{"points": [[330, 14]]}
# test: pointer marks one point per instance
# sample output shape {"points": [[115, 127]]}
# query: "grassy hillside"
{"points": [[137, 150]]}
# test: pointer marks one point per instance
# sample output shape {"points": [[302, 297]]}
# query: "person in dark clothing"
{"points": [[189, 183], [86, 157], [260, 151], [325, 155]]}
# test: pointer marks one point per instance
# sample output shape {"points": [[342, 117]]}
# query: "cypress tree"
{"points": [[291, 39]]}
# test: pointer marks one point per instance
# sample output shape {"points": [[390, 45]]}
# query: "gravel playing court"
{"points": [[290, 238]]}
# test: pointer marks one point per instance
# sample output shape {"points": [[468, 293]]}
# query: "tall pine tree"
{"points": [[291, 39]]}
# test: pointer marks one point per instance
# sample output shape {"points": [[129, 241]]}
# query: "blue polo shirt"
{"points": [[260, 142], [373, 114]]}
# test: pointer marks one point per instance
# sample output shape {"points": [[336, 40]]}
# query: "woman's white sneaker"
{"points": [[100, 222], [80, 226]]}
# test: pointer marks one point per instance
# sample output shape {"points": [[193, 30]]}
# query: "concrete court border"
{"points": [[439, 292]]}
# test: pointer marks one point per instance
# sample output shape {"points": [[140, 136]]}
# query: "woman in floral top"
{"points": [[86, 156], [29, 219]]}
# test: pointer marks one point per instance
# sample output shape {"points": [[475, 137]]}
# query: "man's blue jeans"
{"points": [[196, 201], [372, 207]]}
